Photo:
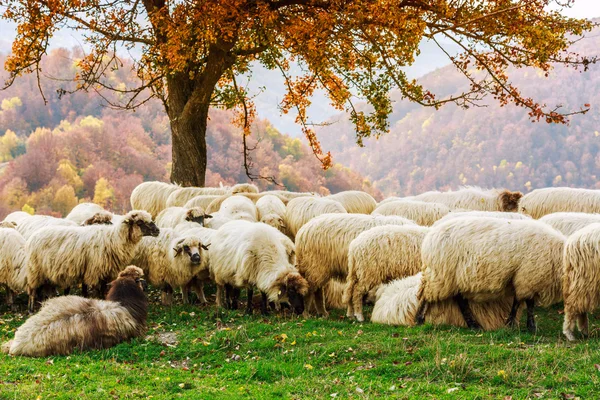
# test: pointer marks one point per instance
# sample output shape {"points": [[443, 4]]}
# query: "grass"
{"points": [[225, 354]]}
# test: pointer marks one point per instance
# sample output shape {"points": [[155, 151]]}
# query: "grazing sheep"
{"points": [[13, 271], [302, 209], [171, 261], [581, 280], [239, 207], [69, 323], [474, 198], [152, 196], [243, 188], [215, 205], [63, 256], [551, 200], [355, 201], [182, 195], [378, 256], [570, 222], [485, 214], [271, 211], [422, 213], [245, 254], [170, 217], [322, 248], [483, 259], [202, 201], [396, 304]]}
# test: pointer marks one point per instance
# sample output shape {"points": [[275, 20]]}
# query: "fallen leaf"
{"points": [[308, 366], [359, 390], [507, 397], [567, 396], [597, 366], [452, 390], [333, 395]]}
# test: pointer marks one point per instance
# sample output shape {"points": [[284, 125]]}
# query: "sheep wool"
{"points": [[28, 226], [425, 214], [13, 270], [67, 323], [271, 211], [355, 201], [474, 198], [152, 196], [570, 222], [484, 214], [243, 188], [545, 201], [322, 248], [182, 195], [239, 208], [302, 209], [170, 217], [202, 201], [85, 211], [377, 256]]}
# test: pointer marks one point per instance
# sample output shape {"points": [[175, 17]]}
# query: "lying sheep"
{"points": [[239, 207], [570, 222], [545, 201], [179, 197], [13, 270], [422, 213], [271, 211], [474, 198], [485, 214], [215, 205], [302, 209], [355, 201], [65, 255], [170, 217], [202, 201], [152, 196], [171, 261], [245, 254], [378, 256], [396, 304], [484, 259], [581, 282], [69, 323], [322, 248]]}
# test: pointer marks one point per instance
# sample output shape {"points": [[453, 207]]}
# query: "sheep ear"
{"points": [[205, 246], [206, 216], [177, 250]]}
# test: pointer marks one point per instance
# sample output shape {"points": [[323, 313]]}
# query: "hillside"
{"points": [[490, 146]]}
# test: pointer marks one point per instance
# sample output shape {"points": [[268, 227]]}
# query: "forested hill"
{"points": [[492, 146], [73, 149]]}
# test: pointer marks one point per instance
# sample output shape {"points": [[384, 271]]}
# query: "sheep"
{"points": [[322, 249], [487, 214], [422, 213], [13, 270], [17, 216], [396, 304], [355, 201], [239, 207], [84, 213], [202, 201], [569, 222], [215, 205], [171, 261], [290, 195], [63, 256], [181, 196], [545, 201], [170, 217], [28, 226], [69, 323], [8, 224], [378, 256], [243, 188], [217, 220], [271, 211], [302, 209], [581, 279], [395, 198], [483, 259], [152, 196], [245, 254], [474, 198]]}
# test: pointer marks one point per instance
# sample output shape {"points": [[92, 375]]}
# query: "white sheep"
{"points": [[395, 198], [29, 225], [290, 195], [179, 197], [322, 248], [474, 198], [425, 214], [64, 256], [570, 222], [302, 209], [545, 201], [483, 259], [215, 205], [243, 188], [13, 269], [201, 278], [581, 282], [485, 214], [170, 217], [83, 212], [202, 201], [239, 207], [396, 304], [152, 196], [355, 201], [17, 216], [271, 211], [170, 261], [245, 254], [377, 256]]}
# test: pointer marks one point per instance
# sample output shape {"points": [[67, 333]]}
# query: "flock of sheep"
{"points": [[470, 257]]}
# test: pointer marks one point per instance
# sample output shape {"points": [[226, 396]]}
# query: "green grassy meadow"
{"points": [[196, 352]]}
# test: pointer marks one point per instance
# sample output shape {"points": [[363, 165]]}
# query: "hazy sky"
{"points": [[584, 9]]}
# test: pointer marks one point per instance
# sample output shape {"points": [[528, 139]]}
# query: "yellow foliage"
{"points": [[557, 180], [64, 200], [104, 194], [28, 209], [69, 173], [8, 143], [91, 122]]}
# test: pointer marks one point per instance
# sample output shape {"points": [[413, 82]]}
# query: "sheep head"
{"points": [[275, 221], [196, 214], [140, 224], [293, 287], [100, 218], [192, 247], [134, 273], [244, 188], [510, 200]]}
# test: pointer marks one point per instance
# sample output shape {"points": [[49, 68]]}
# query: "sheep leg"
{"points": [[463, 304], [167, 295], [512, 317], [67, 291], [104, 288], [530, 316], [10, 299], [220, 296], [250, 292], [228, 289], [235, 298], [320, 302], [357, 304], [31, 303], [263, 304], [309, 300], [84, 290], [185, 294], [421, 311], [569, 325], [583, 324]]}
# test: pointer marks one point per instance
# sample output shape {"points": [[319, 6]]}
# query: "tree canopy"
{"points": [[194, 52]]}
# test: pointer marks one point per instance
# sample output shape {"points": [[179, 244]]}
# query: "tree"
{"points": [[64, 200], [194, 52], [104, 194]]}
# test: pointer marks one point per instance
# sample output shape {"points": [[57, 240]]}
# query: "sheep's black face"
{"points": [[142, 284], [194, 255], [148, 228], [296, 300]]}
